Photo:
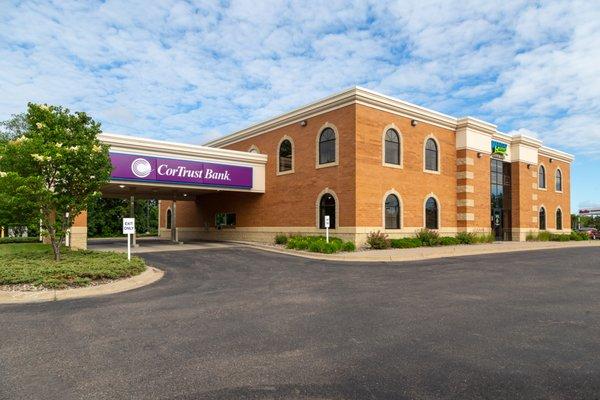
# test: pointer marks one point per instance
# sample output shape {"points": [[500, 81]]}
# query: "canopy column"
{"points": [[132, 215], [174, 221]]}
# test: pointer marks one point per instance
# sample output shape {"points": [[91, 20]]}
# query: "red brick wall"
{"points": [[550, 198], [413, 185], [289, 200]]}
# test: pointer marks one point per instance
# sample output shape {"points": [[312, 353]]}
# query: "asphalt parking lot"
{"points": [[238, 323]]}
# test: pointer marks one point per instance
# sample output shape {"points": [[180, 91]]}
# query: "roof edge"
{"points": [[355, 95]]}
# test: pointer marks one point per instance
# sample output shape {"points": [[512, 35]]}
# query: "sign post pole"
{"points": [[327, 228], [128, 229]]}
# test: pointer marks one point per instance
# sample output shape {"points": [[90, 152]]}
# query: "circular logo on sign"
{"points": [[141, 167]]}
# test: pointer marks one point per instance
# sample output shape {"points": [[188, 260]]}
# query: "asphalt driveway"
{"points": [[238, 323]]}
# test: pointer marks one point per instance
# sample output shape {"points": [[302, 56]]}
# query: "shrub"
{"points": [[578, 236], [449, 241], [329, 248], [336, 245], [316, 246], [544, 236], [406, 243], [378, 240], [302, 243], [428, 237], [281, 239], [348, 246], [531, 237], [560, 237], [466, 237], [485, 238], [19, 239]]}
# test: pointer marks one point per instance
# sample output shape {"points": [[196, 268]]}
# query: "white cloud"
{"points": [[191, 71]]}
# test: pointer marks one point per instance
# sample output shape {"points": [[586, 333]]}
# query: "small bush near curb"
{"points": [[318, 244], [579, 236], [466, 237], [448, 241], [544, 236], [378, 240], [428, 237], [485, 238], [348, 246], [406, 243], [6, 240], [281, 239]]}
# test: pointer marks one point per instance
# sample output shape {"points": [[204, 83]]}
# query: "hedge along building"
{"points": [[370, 162], [375, 163]]}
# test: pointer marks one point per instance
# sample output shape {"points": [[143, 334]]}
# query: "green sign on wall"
{"points": [[499, 148]]}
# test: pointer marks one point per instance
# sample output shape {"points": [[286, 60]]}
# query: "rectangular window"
{"points": [[392, 153], [225, 220], [327, 152]]}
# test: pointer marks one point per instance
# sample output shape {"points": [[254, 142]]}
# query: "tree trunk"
{"points": [[56, 249], [54, 242]]}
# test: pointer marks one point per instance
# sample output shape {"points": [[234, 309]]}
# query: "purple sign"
{"points": [[155, 169]]}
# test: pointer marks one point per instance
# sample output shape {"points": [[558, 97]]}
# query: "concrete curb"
{"points": [[427, 253], [150, 275]]}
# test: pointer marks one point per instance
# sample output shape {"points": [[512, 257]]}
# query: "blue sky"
{"points": [[191, 71]]}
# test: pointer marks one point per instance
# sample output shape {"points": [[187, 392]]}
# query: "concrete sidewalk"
{"points": [[151, 245], [424, 253]]}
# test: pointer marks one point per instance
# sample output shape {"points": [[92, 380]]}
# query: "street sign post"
{"points": [[128, 229], [327, 228]]}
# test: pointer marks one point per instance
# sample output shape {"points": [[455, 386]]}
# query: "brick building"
{"points": [[372, 163]]}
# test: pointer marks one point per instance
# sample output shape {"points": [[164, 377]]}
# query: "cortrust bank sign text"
{"points": [[167, 170]]}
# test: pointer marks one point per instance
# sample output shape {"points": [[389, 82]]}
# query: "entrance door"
{"points": [[497, 224], [500, 194]]}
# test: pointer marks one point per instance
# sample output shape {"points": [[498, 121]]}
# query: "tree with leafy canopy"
{"points": [[51, 168]]}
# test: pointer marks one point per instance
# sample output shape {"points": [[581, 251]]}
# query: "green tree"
{"points": [[60, 159], [105, 216], [13, 128], [16, 192]]}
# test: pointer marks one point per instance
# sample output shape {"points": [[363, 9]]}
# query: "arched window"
{"points": [[169, 218], [392, 147], [327, 207], [558, 181], [559, 219], [542, 219], [285, 156], [392, 212], [542, 177], [327, 146], [431, 214], [431, 155]]}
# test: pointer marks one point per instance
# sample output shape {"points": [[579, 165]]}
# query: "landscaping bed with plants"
{"points": [[426, 237], [545, 236], [31, 266], [315, 244]]}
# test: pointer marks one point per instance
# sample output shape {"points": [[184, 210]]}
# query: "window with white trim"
{"points": [[392, 147], [285, 156], [392, 212], [431, 155]]}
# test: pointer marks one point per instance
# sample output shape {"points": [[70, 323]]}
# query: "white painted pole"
{"points": [[327, 234], [129, 247]]}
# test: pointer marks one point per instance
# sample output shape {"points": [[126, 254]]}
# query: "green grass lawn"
{"points": [[33, 263]]}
